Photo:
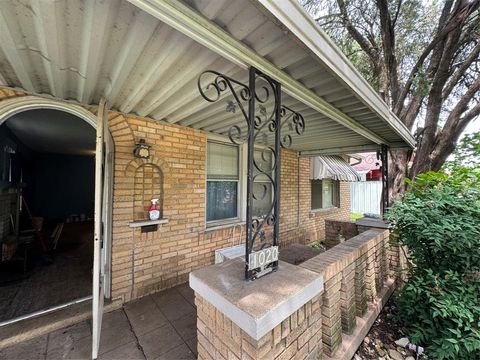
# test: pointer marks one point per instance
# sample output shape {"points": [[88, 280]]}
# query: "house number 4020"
{"points": [[263, 257]]}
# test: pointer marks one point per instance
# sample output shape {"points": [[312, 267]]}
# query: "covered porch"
{"points": [[145, 58]]}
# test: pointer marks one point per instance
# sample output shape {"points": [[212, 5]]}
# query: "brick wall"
{"points": [[337, 231], [297, 337], [143, 263], [299, 224], [356, 279]]}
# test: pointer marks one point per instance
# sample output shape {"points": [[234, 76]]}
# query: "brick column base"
{"points": [[278, 316], [298, 336]]}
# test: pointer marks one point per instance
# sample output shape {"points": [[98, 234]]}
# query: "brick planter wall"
{"points": [[357, 281], [337, 231], [355, 275]]}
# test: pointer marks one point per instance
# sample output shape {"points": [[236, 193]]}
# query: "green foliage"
{"points": [[317, 245], [438, 220], [442, 313], [355, 216], [467, 153]]}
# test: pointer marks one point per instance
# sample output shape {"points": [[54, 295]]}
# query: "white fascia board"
{"points": [[292, 15], [186, 20], [352, 149]]}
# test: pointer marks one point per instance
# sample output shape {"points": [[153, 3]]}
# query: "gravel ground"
{"points": [[380, 341]]}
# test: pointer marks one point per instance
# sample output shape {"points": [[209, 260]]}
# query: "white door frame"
{"points": [[16, 105]]}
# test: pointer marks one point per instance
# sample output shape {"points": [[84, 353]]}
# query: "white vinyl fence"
{"points": [[365, 197]]}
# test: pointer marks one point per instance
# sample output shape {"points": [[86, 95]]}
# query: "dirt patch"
{"points": [[380, 341]]}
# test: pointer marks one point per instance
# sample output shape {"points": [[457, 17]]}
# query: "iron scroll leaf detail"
{"points": [[214, 85], [294, 121]]}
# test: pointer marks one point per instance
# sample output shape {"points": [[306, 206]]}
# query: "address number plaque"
{"points": [[261, 259]]}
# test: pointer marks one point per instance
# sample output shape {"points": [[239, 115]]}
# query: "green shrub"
{"points": [[439, 222]]}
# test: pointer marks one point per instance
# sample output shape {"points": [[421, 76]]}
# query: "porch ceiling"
{"points": [[80, 51]]}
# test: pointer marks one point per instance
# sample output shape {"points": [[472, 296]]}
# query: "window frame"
{"points": [[242, 182], [223, 141], [335, 195]]}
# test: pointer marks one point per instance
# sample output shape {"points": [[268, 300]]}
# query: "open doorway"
{"points": [[47, 183]]}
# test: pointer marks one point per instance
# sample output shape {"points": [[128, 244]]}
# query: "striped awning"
{"points": [[332, 167]]}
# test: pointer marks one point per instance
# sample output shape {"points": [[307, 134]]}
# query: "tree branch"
{"points": [[371, 51], [444, 28], [388, 42], [447, 142], [395, 18], [460, 71]]}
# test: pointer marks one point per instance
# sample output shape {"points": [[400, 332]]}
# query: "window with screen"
{"points": [[222, 181], [325, 194]]}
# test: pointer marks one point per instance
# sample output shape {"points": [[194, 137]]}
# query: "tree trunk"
{"points": [[397, 171]]}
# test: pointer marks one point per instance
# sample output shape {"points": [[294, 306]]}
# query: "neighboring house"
{"points": [[145, 58], [368, 165], [366, 195]]}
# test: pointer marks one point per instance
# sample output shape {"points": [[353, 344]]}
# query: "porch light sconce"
{"points": [[142, 150]]}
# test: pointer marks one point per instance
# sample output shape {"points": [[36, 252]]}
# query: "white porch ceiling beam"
{"points": [[11, 53], [194, 25]]}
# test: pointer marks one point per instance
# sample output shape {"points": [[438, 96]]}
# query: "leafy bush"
{"points": [[438, 220]]}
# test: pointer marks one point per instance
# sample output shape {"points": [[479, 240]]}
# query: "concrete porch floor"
{"points": [[158, 326]]}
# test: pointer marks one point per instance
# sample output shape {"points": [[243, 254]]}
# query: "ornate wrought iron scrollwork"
{"points": [[220, 84], [260, 105], [294, 121]]}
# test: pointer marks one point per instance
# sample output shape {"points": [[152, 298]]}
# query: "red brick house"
{"points": [[144, 57]]}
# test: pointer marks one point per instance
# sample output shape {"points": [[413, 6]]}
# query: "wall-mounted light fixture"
{"points": [[142, 150]]}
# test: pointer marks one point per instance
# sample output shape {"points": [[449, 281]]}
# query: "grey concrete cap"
{"points": [[376, 223], [256, 306]]}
